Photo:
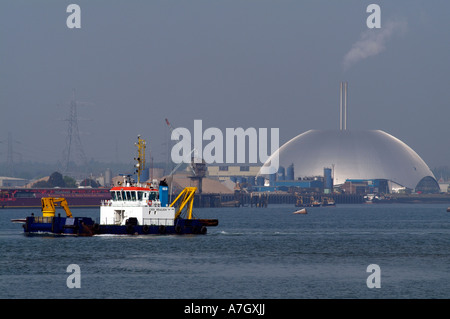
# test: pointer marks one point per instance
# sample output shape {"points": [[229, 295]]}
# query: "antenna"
{"points": [[73, 135], [193, 150], [10, 155], [168, 165], [198, 169]]}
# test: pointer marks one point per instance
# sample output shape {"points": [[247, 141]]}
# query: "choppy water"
{"points": [[253, 253]]}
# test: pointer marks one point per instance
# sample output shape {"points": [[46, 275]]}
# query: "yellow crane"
{"points": [[188, 199], [48, 206]]}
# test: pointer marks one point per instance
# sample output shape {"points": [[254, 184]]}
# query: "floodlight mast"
{"points": [[140, 165]]}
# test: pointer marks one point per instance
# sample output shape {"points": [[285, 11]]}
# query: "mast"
{"points": [[140, 165]]}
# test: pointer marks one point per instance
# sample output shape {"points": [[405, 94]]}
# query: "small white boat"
{"points": [[19, 220], [301, 211]]}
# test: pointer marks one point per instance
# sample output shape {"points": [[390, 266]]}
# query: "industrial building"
{"points": [[235, 173], [360, 160], [356, 157], [12, 181]]}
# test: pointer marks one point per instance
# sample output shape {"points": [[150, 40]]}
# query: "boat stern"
{"points": [[80, 226]]}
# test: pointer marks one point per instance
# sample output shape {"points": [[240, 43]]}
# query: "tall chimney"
{"points": [[343, 106], [340, 108]]}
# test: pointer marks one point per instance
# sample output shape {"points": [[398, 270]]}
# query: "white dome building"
{"points": [[356, 155]]}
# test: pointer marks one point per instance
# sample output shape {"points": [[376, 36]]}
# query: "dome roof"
{"points": [[370, 154]]}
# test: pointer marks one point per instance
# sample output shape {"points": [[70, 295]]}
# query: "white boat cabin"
{"points": [[137, 204]]}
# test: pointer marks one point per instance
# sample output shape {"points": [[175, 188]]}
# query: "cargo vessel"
{"points": [[31, 197], [134, 208]]}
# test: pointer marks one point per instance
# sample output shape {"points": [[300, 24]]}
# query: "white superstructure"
{"points": [[140, 205]]}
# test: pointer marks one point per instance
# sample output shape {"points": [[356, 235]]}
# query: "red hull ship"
{"points": [[31, 197]]}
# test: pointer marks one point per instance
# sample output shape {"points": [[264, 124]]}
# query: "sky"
{"points": [[233, 63]]}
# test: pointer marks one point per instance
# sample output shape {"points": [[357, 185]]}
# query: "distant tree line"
{"points": [[56, 179], [36, 170]]}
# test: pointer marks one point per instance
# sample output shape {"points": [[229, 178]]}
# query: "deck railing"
{"points": [[130, 203], [146, 221], [158, 221]]}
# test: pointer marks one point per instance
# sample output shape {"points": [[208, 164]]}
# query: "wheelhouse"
{"points": [[134, 194]]}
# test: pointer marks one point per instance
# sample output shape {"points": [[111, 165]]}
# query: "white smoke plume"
{"points": [[373, 42]]}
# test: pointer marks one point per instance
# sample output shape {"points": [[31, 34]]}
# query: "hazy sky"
{"points": [[230, 63]]}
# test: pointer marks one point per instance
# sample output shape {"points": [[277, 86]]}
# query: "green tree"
{"points": [[56, 180], [70, 182], [41, 184], [90, 182]]}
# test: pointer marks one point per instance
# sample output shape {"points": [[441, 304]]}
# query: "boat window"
{"points": [[113, 195], [139, 195], [124, 196], [152, 196], [119, 196], [133, 195], [128, 195]]}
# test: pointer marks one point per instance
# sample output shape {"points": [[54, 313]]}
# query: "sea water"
{"points": [[252, 253]]}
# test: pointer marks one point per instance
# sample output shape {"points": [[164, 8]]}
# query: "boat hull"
{"points": [[85, 226], [80, 226]]}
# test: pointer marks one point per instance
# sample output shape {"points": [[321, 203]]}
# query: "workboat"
{"points": [[138, 209], [328, 201], [134, 209]]}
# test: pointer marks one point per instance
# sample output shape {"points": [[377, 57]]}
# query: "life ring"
{"points": [[145, 229], [162, 229]]}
